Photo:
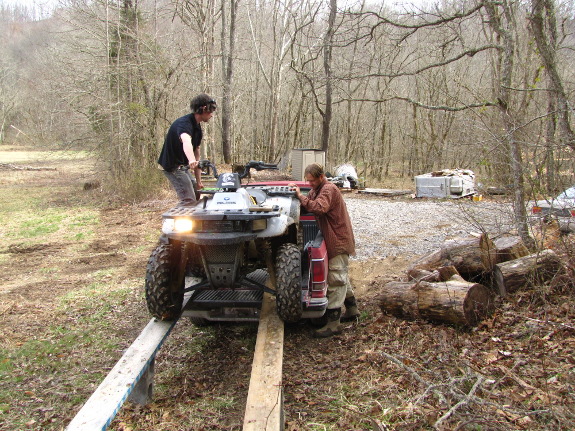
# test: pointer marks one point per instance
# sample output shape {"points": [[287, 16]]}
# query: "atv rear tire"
{"points": [[163, 303], [288, 280]]}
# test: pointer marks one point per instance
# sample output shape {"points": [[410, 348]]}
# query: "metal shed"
{"points": [[302, 157]]}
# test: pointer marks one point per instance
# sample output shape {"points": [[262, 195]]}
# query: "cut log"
{"points": [[399, 299], [455, 301], [443, 273], [429, 262], [497, 190], [471, 256], [509, 248], [533, 269]]}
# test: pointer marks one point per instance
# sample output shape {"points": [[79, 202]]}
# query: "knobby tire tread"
{"points": [[288, 279], [162, 303]]}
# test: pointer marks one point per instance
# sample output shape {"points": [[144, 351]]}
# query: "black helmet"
{"points": [[201, 103]]}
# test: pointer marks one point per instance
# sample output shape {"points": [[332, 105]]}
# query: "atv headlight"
{"points": [[183, 225], [177, 225]]}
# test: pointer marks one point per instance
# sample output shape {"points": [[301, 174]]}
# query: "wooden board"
{"points": [[264, 405], [101, 408], [384, 192]]}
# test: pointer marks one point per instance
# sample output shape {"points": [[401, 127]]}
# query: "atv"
{"points": [[228, 244]]}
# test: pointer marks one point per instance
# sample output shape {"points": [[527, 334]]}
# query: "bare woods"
{"points": [[395, 90]]}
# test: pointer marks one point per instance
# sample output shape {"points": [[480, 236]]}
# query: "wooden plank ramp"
{"points": [[264, 405]]}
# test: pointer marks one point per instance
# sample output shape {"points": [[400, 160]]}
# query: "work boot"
{"points": [[351, 311], [332, 327]]}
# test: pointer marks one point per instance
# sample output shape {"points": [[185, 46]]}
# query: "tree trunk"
{"points": [[534, 269], [455, 301], [547, 46], [328, 45], [502, 21], [227, 70]]}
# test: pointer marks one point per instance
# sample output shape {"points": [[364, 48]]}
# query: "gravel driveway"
{"points": [[403, 226]]}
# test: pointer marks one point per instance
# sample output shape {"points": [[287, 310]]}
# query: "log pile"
{"points": [[442, 285], [471, 256]]}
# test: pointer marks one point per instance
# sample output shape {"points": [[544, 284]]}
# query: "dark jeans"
{"points": [[184, 184]]}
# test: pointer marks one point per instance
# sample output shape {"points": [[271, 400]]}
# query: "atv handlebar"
{"points": [[252, 164]]}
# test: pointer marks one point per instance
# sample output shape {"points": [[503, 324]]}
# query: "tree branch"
{"points": [[424, 106], [467, 53]]}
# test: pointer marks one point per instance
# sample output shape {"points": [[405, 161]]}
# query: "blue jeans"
{"points": [[183, 183]]}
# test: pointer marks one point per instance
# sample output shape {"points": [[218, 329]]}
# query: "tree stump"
{"points": [[509, 248], [532, 269], [454, 301], [471, 257]]}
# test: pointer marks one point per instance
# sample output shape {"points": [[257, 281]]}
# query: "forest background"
{"points": [[396, 90]]}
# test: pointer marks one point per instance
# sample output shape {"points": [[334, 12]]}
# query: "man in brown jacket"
{"points": [[326, 202]]}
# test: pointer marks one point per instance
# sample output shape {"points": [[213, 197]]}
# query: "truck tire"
{"points": [[288, 279], [163, 303]]}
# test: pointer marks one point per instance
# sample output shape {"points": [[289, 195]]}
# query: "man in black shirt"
{"points": [[181, 150]]}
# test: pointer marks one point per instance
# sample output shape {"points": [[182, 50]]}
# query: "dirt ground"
{"points": [[514, 371]]}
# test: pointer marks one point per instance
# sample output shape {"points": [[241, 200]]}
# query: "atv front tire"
{"points": [[288, 280], [163, 303]]}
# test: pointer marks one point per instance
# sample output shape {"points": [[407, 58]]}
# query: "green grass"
{"points": [[48, 370], [51, 366], [32, 226]]}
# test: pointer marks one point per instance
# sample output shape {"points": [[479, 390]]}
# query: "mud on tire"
{"points": [[288, 278], [162, 303]]}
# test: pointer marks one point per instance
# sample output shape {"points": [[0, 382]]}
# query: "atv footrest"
{"points": [[227, 298]]}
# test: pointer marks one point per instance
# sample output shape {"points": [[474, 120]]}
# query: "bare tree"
{"points": [[502, 21], [327, 56], [544, 29], [9, 98], [227, 71], [274, 63]]}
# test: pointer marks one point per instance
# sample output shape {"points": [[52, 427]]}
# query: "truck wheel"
{"points": [[288, 278], [163, 303]]}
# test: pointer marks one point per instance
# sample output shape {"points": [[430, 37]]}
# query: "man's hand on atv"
{"points": [[295, 188]]}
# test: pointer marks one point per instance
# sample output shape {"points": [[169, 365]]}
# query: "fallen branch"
{"points": [[468, 397], [562, 325]]}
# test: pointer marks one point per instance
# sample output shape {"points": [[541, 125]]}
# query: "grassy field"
{"points": [[65, 291]]}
